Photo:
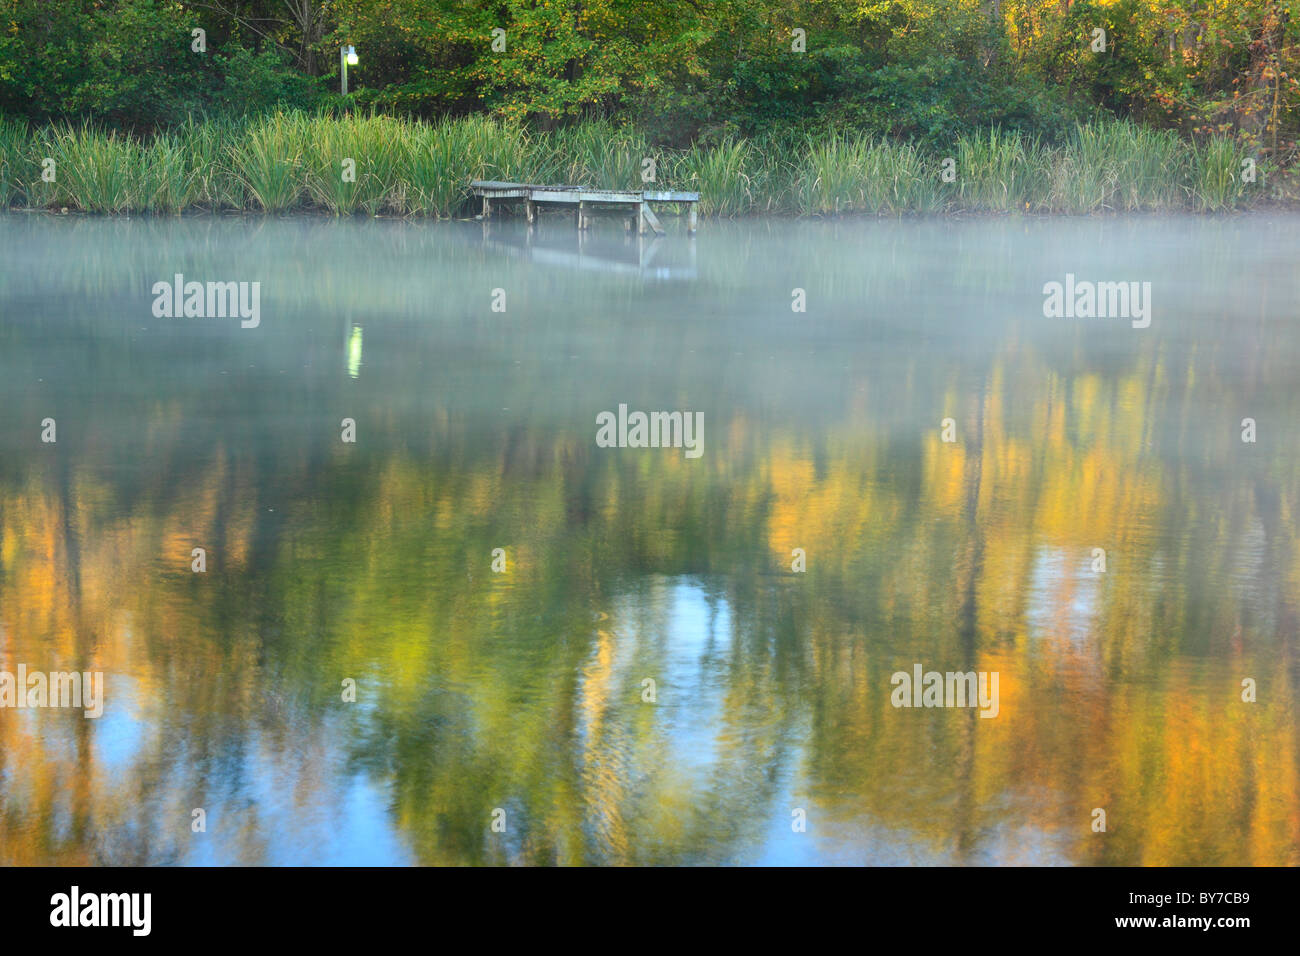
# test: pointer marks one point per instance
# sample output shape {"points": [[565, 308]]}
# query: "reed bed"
{"points": [[382, 165]]}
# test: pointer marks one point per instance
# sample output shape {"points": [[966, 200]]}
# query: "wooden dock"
{"points": [[584, 202]]}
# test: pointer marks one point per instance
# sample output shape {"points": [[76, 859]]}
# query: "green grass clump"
{"points": [[1217, 175], [723, 175], [269, 159], [840, 173], [96, 172], [14, 156], [1001, 172]]}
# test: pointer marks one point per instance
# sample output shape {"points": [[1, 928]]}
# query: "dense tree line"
{"points": [[681, 69]]}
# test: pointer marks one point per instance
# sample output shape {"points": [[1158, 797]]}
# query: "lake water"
{"points": [[772, 736]]}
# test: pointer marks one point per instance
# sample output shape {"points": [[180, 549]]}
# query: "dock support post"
{"points": [[649, 221], [531, 209], [690, 219], [487, 208]]}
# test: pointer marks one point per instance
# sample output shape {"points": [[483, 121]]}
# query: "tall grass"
{"points": [[832, 178], [439, 163], [595, 154], [1120, 166], [859, 174], [723, 175], [1217, 181], [13, 156], [168, 181], [212, 178], [355, 163], [269, 162], [100, 173], [381, 165], [998, 171]]}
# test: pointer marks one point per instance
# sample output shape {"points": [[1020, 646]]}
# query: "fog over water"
{"points": [[524, 689]]}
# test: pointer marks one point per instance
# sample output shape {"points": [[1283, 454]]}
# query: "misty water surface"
{"points": [[523, 690]]}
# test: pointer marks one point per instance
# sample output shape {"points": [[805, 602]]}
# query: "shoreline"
{"points": [[381, 165], [323, 214]]}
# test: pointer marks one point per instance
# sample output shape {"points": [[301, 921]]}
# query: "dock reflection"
{"points": [[611, 248]]}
